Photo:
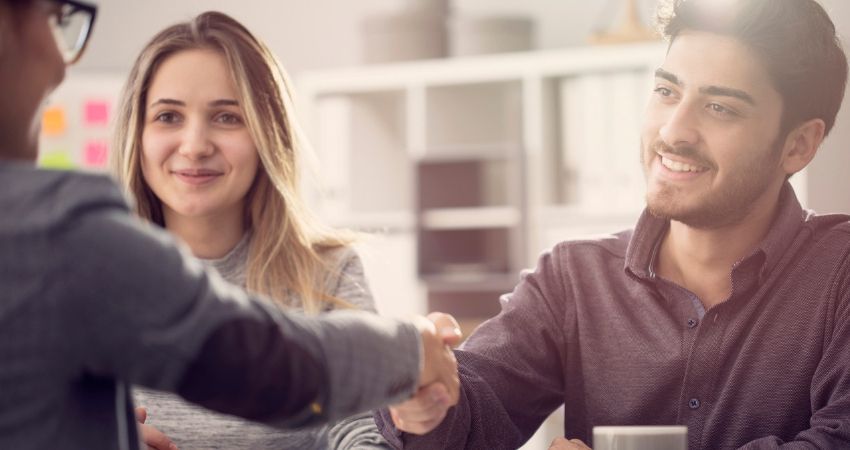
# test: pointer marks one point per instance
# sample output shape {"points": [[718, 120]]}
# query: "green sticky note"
{"points": [[56, 160]]}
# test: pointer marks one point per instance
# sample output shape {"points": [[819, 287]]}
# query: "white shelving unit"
{"points": [[483, 161]]}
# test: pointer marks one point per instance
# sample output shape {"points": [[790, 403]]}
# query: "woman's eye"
{"points": [[166, 117], [229, 119]]}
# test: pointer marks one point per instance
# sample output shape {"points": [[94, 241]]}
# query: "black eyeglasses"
{"points": [[71, 23]]}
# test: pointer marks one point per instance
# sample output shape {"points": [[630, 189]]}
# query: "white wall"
{"points": [[829, 177], [315, 34]]}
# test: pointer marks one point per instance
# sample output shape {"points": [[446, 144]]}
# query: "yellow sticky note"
{"points": [[53, 122], [56, 160]]}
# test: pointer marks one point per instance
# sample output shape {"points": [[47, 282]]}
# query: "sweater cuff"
{"points": [[372, 361]]}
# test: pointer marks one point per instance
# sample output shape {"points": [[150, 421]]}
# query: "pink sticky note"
{"points": [[96, 112], [94, 153]]}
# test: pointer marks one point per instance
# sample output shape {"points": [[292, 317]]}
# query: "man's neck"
{"points": [[701, 259], [209, 237]]}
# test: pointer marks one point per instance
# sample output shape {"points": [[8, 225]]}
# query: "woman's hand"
{"points": [[568, 444], [153, 438]]}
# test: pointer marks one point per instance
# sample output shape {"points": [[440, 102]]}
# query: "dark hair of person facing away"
{"points": [[794, 39]]}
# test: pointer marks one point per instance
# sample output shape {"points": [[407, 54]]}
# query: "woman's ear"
{"points": [[802, 144]]}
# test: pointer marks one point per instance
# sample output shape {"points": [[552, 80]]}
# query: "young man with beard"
{"points": [[727, 308]]}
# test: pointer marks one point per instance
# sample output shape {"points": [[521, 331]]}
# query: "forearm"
{"points": [[294, 370]]}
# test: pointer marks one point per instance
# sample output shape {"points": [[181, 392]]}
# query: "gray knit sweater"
{"points": [[194, 428]]}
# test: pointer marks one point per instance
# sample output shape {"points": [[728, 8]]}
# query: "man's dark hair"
{"points": [[795, 40]]}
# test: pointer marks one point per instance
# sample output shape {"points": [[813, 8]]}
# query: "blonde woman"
{"points": [[207, 145]]}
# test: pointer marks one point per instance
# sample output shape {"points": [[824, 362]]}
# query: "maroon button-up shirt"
{"points": [[594, 329]]}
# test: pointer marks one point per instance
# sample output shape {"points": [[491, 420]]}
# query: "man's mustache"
{"points": [[684, 151]]}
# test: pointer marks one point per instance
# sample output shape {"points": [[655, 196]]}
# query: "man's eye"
{"points": [[663, 91], [721, 110]]}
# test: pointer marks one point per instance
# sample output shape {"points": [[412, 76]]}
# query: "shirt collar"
{"points": [[650, 229]]}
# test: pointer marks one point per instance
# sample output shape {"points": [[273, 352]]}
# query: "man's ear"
{"points": [[802, 144]]}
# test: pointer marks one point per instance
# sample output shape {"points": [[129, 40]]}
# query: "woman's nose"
{"points": [[196, 143]]}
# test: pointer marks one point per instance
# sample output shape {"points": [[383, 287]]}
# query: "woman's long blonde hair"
{"points": [[285, 253]]}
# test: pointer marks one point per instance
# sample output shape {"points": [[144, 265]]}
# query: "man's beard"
{"points": [[717, 206]]}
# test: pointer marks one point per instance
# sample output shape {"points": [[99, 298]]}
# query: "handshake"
{"points": [[439, 383]]}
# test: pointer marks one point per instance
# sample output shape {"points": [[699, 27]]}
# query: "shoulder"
{"points": [[829, 233], [41, 199], [346, 279], [342, 260], [596, 247], [584, 261], [821, 223]]}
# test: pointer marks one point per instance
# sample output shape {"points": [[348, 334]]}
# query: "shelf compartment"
{"points": [[469, 218], [466, 183], [474, 113], [464, 251], [470, 281], [362, 135]]}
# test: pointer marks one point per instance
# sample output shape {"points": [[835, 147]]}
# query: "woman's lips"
{"points": [[197, 177]]}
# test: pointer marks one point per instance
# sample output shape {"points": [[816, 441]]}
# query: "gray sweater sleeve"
{"points": [[357, 432], [149, 313]]}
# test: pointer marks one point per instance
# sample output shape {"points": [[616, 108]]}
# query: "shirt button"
{"points": [[692, 323], [693, 403]]}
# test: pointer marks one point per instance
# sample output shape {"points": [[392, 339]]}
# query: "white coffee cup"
{"points": [[640, 438]]}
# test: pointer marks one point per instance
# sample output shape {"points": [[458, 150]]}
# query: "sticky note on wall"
{"points": [[95, 153], [54, 123], [56, 159], [95, 113]]}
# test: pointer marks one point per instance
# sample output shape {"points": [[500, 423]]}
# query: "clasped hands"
{"points": [[439, 383]]}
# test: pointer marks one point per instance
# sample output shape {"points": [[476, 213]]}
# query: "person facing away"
{"points": [[207, 145], [727, 308], [92, 300]]}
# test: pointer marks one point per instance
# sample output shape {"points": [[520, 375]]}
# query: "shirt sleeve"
{"points": [[830, 391], [510, 371], [359, 431], [145, 311]]}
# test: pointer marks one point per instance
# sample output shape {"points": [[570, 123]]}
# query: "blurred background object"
{"points": [[629, 26], [483, 34], [416, 30]]}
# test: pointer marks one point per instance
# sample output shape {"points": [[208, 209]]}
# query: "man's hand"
{"points": [[438, 360], [568, 444], [439, 389], [153, 438]]}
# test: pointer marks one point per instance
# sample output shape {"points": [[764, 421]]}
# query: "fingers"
{"points": [[568, 444], [141, 414], [447, 328], [424, 412], [438, 360], [155, 439]]}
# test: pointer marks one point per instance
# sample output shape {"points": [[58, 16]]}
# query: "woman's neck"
{"points": [[209, 237]]}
